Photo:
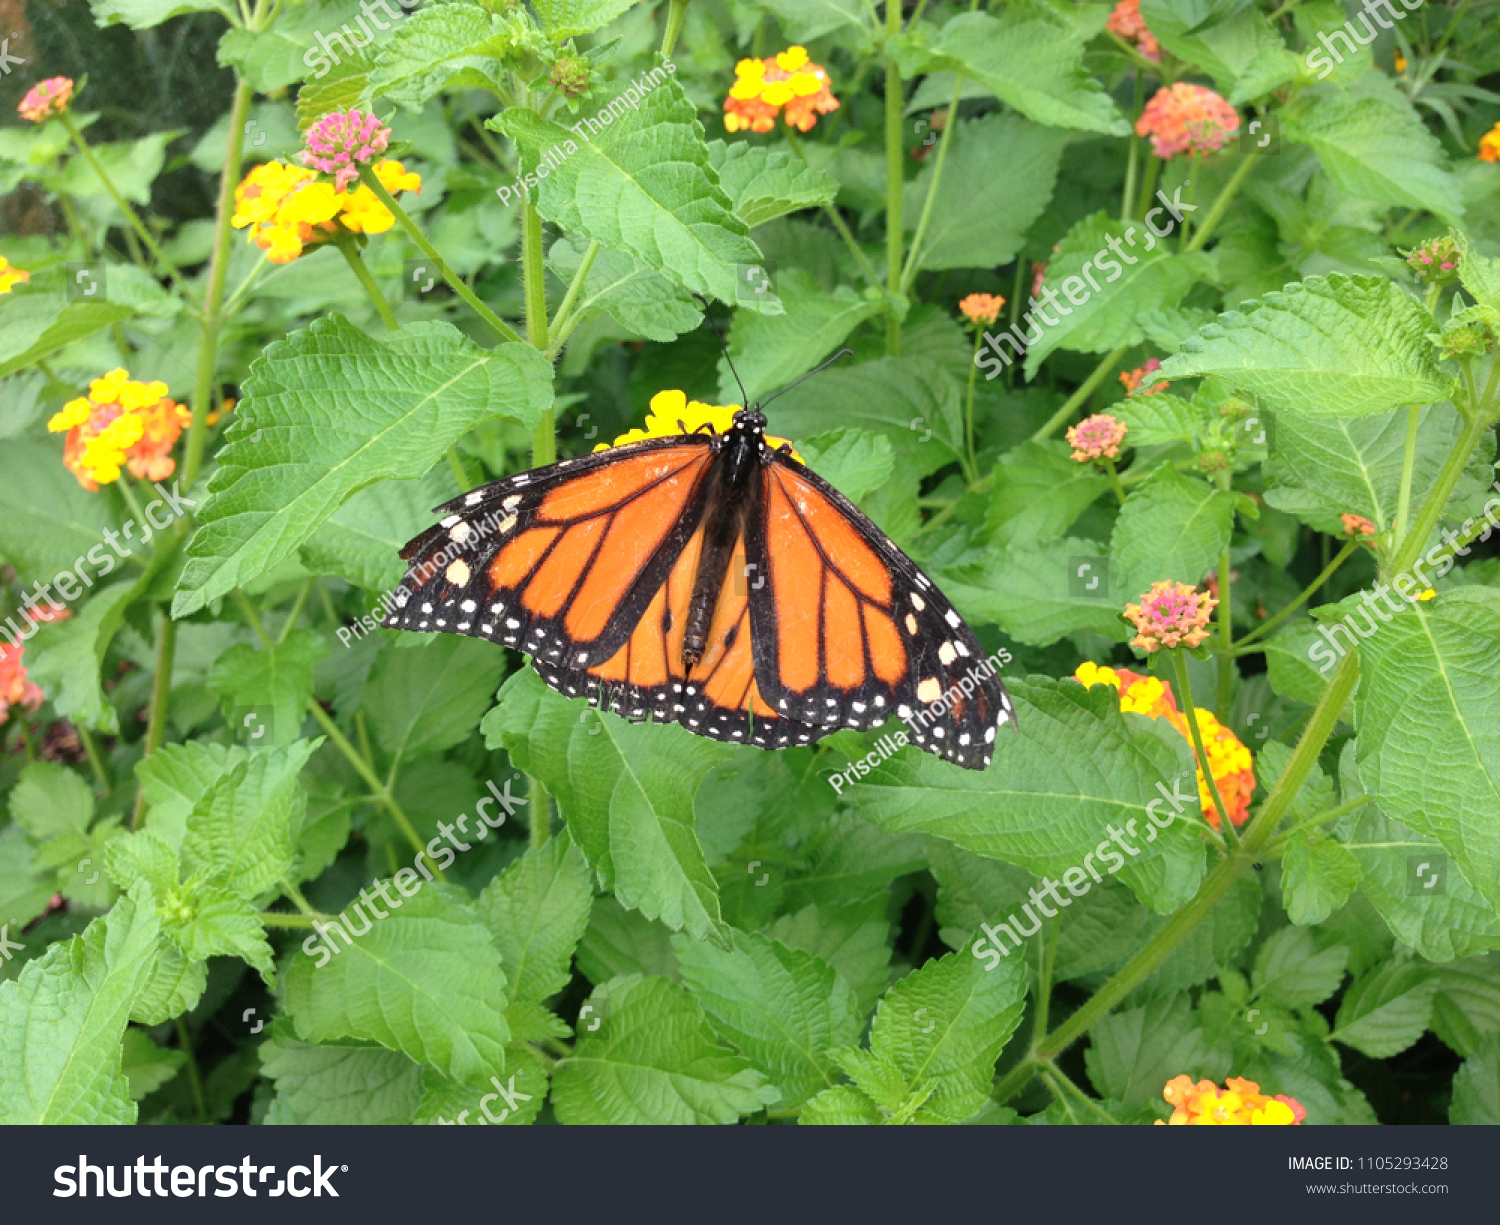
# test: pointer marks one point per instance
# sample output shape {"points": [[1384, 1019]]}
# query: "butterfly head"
{"points": [[751, 419]]}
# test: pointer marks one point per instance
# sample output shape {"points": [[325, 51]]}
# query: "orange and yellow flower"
{"points": [[288, 209], [981, 308], [46, 98], [788, 83], [1489, 145], [15, 688], [1134, 380], [11, 276], [1229, 761], [673, 414], [1184, 118], [1358, 526], [1127, 22], [120, 423], [1240, 1103], [1097, 437], [1170, 615]]}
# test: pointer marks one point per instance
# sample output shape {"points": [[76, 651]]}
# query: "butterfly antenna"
{"points": [[842, 353], [719, 336]]}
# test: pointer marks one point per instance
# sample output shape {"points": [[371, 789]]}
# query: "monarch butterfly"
{"points": [[709, 579]]}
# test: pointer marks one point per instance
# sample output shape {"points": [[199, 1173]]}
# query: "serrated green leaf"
{"points": [[220, 924], [621, 942], [1134, 1052], [1476, 1088], [643, 185], [457, 44], [1291, 970], [804, 20], [1428, 709], [50, 801], [1243, 53], [841, 1106], [854, 939], [654, 1059], [855, 462], [26, 886], [1172, 527], [361, 542], [429, 698], [338, 410], [564, 19], [425, 980], [1466, 1008], [969, 225], [1156, 419], [1334, 346], [765, 183], [537, 910], [1386, 1011], [47, 520], [269, 60], [517, 1099], [1038, 494], [783, 1009], [338, 1082], [148, 1067], [174, 984], [1317, 877], [639, 298], [69, 655], [62, 1021], [175, 778], [626, 792], [279, 676], [1032, 59]]}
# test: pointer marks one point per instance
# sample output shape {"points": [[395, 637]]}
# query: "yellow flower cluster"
{"points": [[120, 423], [11, 276], [289, 208], [1489, 145], [1239, 1103], [763, 87], [672, 413]]}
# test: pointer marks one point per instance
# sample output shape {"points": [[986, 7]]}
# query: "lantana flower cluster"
{"points": [[288, 209], [1127, 22], [1186, 118], [1134, 380], [981, 308], [671, 413], [1239, 1103], [120, 423], [1489, 145], [1435, 262], [46, 98], [1097, 437], [11, 276], [340, 142], [1170, 615], [1229, 761], [788, 83], [15, 688]]}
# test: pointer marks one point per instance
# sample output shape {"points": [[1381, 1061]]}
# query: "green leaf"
{"points": [[848, 857], [766, 183], [654, 1059], [48, 522], [338, 1083], [1480, 274], [1428, 711], [219, 924], [841, 1106], [270, 60], [1320, 469], [1094, 311], [279, 677], [1135, 1051], [143, 14], [1031, 59], [429, 698], [639, 298], [175, 777], [425, 980], [1038, 494], [1317, 877], [537, 910], [626, 791], [525, 1084], [34, 326], [854, 939], [1244, 53], [69, 655], [1466, 1008], [644, 185], [243, 831], [855, 462], [132, 167], [1157, 419], [51, 801], [148, 1067], [1172, 527], [26, 886], [458, 44], [770, 351], [910, 399], [63, 1020], [1387, 1010], [1292, 971], [1476, 1088], [175, 983], [944, 1026], [1334, 346], [1211, 946], [783, 1009], [620, 941], [1040, 593], [361, 542], [563, 19], [804, 20], [1376, 149], [340, 410], [970, 225]]}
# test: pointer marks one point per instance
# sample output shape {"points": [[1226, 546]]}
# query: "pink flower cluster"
{"points": [[343, 140], [1189, 119], [46, 98]]}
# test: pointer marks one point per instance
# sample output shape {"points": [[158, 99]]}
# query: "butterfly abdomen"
{"points": [[728, 499]]}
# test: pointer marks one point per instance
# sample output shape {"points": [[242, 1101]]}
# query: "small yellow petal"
{"points": [[777, 93], [792, 59]]}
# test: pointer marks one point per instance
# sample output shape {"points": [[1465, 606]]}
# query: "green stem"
{"points": [[1278, 844], [279, 918], [838, 222], [1148, 185], [676, 15], [195, 1077], [1089, 1103], [1190, 712], [161, 689], [541, 819], [350, 251], [91, 751], [372, 780], [457, 466], [533, 269], [1261, 630], [213, 299], [120, 202], [496, 324], [1408, 470], [291, 620], [560, 321], [1114, 481], [1085, 390], [1222, 201], [909, 273], [1226, 627], [971, 463], [1476, 423], [1133, 157], [894, 179]]}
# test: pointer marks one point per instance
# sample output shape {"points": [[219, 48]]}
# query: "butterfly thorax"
{"points": [[740, 452]]}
